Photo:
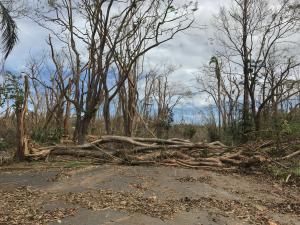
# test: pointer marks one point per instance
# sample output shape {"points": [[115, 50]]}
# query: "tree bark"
{"points": [[68, 109], [106, 115], [82, 130], [21, 109], [257, 120], [246, 70]]}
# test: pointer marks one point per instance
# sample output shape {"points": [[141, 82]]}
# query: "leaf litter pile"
{"points": [[203, 179], [124, 201], [25, 206]]}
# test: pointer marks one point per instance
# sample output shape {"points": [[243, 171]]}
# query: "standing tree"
{"points": [[214, 60], [166, 96], [18, 92], [249, 30], [224, 91]]}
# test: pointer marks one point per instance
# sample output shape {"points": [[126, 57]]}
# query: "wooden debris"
{"points": [[150, 151], [291, 155]]}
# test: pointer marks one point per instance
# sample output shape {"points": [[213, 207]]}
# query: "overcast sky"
{"points": [[189, 50]]}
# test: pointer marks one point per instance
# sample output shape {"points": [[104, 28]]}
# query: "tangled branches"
{"points": [[154, 151]]}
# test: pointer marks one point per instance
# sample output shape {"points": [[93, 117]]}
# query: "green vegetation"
{"points": [[3, 145], [284, 173], [189, 131], [41, 135], [76, 164]]}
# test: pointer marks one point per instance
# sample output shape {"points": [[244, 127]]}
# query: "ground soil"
{"points": [[109, 194]]}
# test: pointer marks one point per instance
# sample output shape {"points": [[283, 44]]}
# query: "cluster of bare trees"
{"points": [[94, 72], [99, 37], [143, 109], [255, 72], [160, 96], [94, 67]]}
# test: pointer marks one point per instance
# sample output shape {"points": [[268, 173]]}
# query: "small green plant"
{"points": [[3, 145], [296, 171], [286, 128], [213, 132], [189, 131], [76, 164], [283, 173], [205, 153], [295, 127], [41, 135]]}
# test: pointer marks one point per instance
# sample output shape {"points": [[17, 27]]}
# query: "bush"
{"points": [[3, 145], [7, 134], [213, 132], [189, 131], [286, 128], [41, 135]]}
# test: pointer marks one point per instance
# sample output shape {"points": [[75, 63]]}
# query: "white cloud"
{"points": [[32, 40]]}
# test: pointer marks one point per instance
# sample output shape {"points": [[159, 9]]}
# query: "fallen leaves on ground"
{"points": [[130, 202], [204, 179], [23, 206]]}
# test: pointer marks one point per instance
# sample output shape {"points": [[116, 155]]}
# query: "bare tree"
{"points": [[223, 89], [249, 30], [21, 110], [272, 85], [214, 60], [166, 95]]}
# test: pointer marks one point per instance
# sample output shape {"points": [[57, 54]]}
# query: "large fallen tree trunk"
{"points": [[128, 140], [163, 141], [162, 147], [78, 153], [150, 151]]}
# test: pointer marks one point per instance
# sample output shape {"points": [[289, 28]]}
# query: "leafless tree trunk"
{"points": [[68, 110], [21, 109]]}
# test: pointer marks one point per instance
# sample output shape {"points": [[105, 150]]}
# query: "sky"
{"points": [[188, 51]]}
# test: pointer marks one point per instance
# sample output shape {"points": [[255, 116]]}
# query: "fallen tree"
{"points": [[151, 151]]}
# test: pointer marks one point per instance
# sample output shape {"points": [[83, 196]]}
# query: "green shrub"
{"points": [[286, 128], [3, 145], [295, 128], [41, 135], [213, 132], [282, 173], [189, 131]]}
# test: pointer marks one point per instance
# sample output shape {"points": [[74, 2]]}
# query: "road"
{"points": [[110, 194]]}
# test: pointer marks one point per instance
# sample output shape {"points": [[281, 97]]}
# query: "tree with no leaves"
{"points": [[248, 32], [114, 34]]}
